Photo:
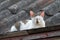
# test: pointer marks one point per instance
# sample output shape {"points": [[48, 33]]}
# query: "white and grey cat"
{"points": [[35, 22]]}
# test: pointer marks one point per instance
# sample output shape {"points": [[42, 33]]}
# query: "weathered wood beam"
{"points": [[34, 33]]}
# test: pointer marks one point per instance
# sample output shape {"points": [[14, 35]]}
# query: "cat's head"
{"points": [[37, 19]]}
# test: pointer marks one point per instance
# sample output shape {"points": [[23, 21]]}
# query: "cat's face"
{"points": [[37, 19]]}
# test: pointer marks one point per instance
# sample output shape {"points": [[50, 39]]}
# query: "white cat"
{"points": [[35, 22]]}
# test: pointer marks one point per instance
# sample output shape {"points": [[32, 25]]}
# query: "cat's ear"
{"points": [[31, 13], [42, 13]]}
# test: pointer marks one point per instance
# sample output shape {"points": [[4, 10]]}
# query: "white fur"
{"points": [[32, 23], [26, 26], [40, 20], [13, 28]]}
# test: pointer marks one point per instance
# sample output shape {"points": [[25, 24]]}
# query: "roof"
{"points": [[12, 11]]}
